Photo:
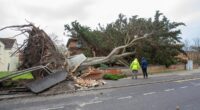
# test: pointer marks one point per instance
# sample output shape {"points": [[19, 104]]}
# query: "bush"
{"points": [[113, 76]]}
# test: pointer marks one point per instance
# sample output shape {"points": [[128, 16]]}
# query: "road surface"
{"points": [[156, 96]]}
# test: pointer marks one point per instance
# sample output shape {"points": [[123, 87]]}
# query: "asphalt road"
{"points": [[156, 96]]}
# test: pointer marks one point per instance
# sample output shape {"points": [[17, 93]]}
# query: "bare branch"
{"points": [[17, 35], [117, 49], [114, 54], [16, 26]]}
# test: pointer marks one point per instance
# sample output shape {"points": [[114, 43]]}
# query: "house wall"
{"points": [[1, 56], [162, 68], [6, 59]]}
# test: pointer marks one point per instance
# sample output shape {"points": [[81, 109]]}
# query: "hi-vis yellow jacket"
{"points": [[135, 65]]}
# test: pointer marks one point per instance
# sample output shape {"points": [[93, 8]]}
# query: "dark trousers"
{"points": [[145, 74], [135, 72]]}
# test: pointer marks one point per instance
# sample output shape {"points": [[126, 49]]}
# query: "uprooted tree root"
{"points": [[37, 49]]}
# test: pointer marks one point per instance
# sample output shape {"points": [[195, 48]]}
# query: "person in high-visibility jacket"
{"points": [[135, 66]]}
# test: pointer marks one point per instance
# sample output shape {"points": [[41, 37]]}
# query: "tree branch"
{"points": [[114, 53], [16, 26]]}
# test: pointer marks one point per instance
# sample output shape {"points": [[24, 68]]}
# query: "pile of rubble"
{"points": [[80, 75], [87, 83]]}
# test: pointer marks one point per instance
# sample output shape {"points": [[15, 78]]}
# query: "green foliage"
{"points": [[89, 38], [3, 74], [159, 49], [113, 76], [165, 45]]}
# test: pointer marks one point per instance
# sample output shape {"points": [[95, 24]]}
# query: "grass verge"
{"points": [[24, 76]]}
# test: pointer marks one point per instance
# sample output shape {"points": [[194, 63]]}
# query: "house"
{"points": [[8, 62], [74, 46]]}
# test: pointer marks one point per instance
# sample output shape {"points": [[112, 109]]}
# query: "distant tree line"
{"points": [[193, 46]]}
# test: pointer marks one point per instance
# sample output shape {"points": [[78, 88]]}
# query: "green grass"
{"points": [[3, 74], [24, 76]]}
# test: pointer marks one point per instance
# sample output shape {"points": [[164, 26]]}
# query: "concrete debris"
{"points": [[87, 83], [75, 60]]}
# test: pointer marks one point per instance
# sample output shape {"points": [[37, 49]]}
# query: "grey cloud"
{"points": [[187, 8], [75, 11], [5, 12]]}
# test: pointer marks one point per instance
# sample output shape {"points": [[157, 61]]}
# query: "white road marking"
{"points": [[149, 93], [127, 97], [183, 87], [54, 108], [89, 103], [167, 90]]}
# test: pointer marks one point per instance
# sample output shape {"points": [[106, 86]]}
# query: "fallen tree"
{"points": [[102, 40], [39, 49]]}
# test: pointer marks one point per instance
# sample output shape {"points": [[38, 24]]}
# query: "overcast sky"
{"points": [[51, 15]]}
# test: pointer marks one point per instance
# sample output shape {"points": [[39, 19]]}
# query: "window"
{"points": [[79, 44]]}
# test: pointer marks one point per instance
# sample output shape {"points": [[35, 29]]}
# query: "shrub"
{"points": [[113, 76]]}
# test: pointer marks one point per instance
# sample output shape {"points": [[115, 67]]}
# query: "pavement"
{"points": [[125, 82]]}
